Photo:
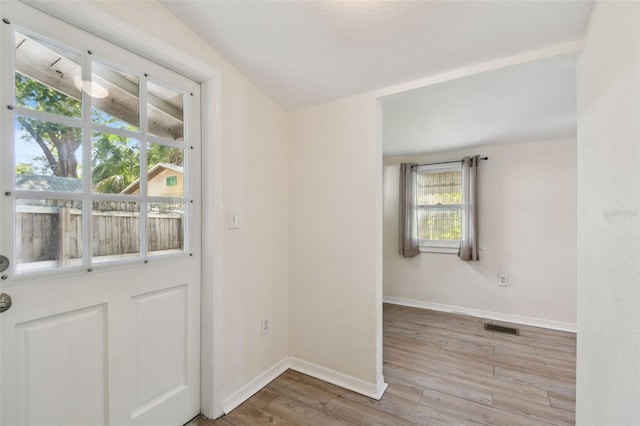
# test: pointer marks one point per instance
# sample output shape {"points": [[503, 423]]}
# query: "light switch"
{"points": [[234, 219]]}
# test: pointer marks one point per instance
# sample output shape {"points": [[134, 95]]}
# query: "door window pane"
{"points": [[115, 96], [47, 77], [165, 112], [48, 234], [165, 233], [115, 162], [116, 230], [47, 156], [50, 161], [164, 171]]}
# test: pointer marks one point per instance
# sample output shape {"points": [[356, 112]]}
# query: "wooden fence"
{"points": [[46, 233]]}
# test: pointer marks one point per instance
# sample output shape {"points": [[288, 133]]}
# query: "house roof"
{"points": [[48, 183], [153, 172]]}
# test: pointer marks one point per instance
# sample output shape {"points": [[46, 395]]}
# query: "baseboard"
{"points": [[337, 378], [496, 316], [322, 373], [248, 390]]}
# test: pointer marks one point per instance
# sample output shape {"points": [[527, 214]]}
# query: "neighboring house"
{"points": [[48, 183], [163, 180]]}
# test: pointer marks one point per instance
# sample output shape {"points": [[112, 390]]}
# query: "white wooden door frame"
{"points": [[96, 21]]}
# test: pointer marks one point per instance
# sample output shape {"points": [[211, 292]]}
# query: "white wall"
{"points": [[296, 258], [335, 242], [255, 181], [608, 370], [527, 229]]}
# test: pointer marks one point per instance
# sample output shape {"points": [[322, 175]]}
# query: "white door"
{"points": [[100, 223]]}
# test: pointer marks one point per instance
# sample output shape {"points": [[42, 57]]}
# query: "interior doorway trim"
{"points": [[108, 27]]}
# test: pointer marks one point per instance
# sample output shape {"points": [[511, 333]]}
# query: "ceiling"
{"points": [[528, 102], [303, 53]]}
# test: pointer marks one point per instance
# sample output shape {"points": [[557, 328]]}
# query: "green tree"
{"points": [[115, 159], [115, 162], [58, 142], [164, 154], [24, 169]]}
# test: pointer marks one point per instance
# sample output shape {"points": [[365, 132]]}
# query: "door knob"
{"points": [[5, 302], [4, 263]]}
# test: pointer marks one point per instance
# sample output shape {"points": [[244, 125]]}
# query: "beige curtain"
{"points": [[408, 232], [469, 217]]}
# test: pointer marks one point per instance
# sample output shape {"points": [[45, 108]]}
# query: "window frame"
{"points": [[114, 56], [437, 246]]}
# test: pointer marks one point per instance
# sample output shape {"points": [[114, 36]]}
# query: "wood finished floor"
{"points": [[442, 369]]}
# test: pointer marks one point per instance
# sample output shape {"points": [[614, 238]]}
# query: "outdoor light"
{"points": [[91, 88]]}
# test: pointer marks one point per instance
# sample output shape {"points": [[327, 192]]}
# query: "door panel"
{"points": [[105, 323], [161, 324], [52, 382], [119, 348]]}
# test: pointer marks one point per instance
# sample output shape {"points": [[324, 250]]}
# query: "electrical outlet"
{"points": [[503, 280], [265, 325], [234, 219]]}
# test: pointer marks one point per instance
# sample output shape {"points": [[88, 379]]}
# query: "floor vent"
{"points": [[501, 329]]}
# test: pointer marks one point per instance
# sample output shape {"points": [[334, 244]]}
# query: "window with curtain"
{"points": [[439, 208], [438, 205]]}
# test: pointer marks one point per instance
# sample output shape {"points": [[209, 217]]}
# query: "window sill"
{"points": [[445, 250]]}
